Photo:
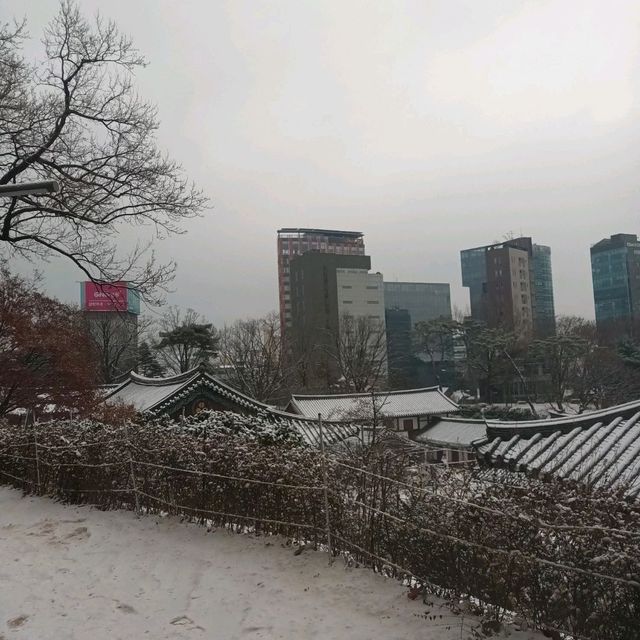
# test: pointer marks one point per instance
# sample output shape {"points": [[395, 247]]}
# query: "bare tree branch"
{"points": [[77, 119]]}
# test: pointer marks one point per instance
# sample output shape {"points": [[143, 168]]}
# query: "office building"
{"points": [[615, 271], [407, 304], [294, 242], [360, 294], [327, 290], [511, 286], [423, 300], [544, 311], [401, 361]]}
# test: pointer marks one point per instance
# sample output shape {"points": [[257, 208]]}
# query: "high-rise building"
{"points": [[399, 348], [413, 302], [326, 291], [510, 286], [544, 310], [111, 315], [423, 300], [293, 242], [615, 271]]}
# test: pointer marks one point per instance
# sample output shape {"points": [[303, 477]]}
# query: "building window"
{"points": [[373, 302], [347, 302], [407, 424], [347, 286]]}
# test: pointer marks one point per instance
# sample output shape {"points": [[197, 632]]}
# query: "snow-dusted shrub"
{"points": [[557, 555], [258, 429]]}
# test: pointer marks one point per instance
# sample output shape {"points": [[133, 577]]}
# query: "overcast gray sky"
{"points": [[431, 126]]}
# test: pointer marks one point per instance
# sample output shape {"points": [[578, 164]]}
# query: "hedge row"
{"points": [[557, 555]]}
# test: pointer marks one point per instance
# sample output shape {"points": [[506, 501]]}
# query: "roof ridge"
{"points": [[589, 416], [159, 382], [363, 394]]}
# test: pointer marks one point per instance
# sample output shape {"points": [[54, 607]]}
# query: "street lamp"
{"points": [[28, 189]]}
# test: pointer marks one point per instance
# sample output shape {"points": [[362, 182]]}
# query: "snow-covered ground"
{"points": [[77, 572]]}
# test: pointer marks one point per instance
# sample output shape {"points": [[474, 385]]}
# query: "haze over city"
{"points": [[431, 127]]}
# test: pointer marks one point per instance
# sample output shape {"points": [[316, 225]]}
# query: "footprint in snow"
{"points": [[184, 621], [17, 622], [125, 608]]}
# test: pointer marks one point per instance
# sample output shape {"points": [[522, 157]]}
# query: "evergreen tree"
{"points": [[186, 340], [148, 364]]}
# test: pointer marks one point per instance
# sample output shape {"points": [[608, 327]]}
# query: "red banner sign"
{"points": [[105, 297]]}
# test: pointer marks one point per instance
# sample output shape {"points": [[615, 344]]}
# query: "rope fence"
{"points": [[556, 575]]}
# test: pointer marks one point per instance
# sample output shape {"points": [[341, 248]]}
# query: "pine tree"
{"points": [[148, 364]]}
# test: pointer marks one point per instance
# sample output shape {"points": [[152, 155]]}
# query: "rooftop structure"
{"points": [[405, 410], [196, 390], [454, 432], [600, 448]]}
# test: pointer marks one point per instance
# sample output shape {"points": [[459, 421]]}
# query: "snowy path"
{"points": [[76, 572]]}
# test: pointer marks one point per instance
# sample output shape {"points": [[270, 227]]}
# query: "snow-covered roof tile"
{"points": [[156, 396], [454, 431], [392, 404], [601, 449]]}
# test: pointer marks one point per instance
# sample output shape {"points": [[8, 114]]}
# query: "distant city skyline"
{"points": [[429, 127]]}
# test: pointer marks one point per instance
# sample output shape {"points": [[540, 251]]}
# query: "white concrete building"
{"points": [[361, 295]]}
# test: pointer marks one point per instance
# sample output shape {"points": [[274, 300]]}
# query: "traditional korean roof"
{"points": [[157, 396], [600, 448], [392, 404], [453, 431], [154, 396], [332, 432]]}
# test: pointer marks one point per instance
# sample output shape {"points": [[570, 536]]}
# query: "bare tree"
{"points": [[186, 340], [361, 352], [253, 352], [562, 356], [487, 364], [77, 118], [115, 338], [435, 339]]}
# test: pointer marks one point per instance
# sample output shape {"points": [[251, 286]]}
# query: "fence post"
{"points": [[132, 474], [37, 456], [326, 489], [203, 488]]}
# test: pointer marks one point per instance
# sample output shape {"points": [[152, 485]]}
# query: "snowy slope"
{"points": [[76, 572]]}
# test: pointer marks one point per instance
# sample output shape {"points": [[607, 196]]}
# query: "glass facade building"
{"points": [[423, 300], [473, 263], [615, 273], [544, 312]]}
